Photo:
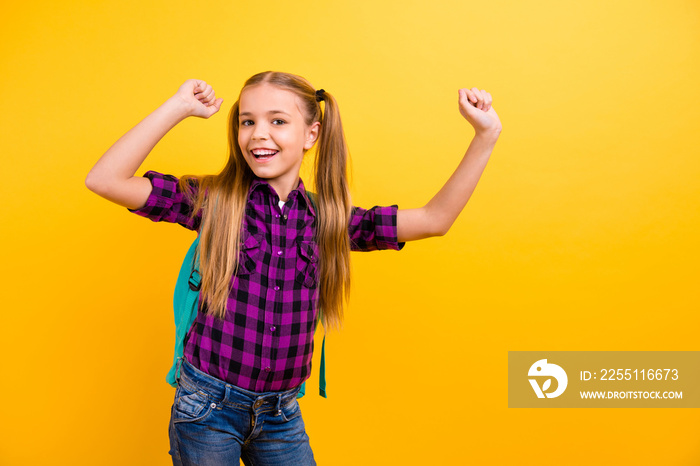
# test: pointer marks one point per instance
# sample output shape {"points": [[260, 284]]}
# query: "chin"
{"points": [[263, 173]]}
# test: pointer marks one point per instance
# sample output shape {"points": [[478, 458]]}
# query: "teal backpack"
{"points": [[186, 303]]}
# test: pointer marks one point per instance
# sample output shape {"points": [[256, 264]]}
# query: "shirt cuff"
{"points": [[160, 200], [387, 230]]}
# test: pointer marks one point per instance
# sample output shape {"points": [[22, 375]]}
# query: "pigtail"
{"points": [[335, 209]]}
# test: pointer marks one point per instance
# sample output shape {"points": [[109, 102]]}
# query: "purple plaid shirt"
{"points": [[265, 342]]}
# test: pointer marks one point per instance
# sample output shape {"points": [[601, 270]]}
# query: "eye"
{"points": [[246, 122], [278, 121]]}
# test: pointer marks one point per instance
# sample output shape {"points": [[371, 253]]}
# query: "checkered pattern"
{"points": [[265, 342]]}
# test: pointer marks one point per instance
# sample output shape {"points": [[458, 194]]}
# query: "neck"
{"points": [[284, 187]]}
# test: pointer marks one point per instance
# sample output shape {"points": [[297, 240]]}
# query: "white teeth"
{"points": [[264, 152]]}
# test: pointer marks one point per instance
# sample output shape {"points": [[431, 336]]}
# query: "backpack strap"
{"points": [[322, 373], [312, 198], [322, 369]]}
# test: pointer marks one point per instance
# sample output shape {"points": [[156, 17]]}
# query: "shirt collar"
{"points": [[260, 182]]}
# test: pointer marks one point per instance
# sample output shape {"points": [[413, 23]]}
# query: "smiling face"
{"points": [[273, 135]]}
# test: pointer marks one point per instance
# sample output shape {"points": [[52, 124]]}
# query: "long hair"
{"points": [[222, 199]]}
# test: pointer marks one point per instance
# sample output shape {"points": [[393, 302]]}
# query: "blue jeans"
{"points": [[216, 423]]}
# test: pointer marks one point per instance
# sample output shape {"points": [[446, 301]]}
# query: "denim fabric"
{"points": [[216, 423]]}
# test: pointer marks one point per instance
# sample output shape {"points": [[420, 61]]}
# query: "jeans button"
{"points": [[258, 403]]}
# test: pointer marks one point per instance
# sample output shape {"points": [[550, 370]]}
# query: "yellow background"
{"points": [[582, 234]]}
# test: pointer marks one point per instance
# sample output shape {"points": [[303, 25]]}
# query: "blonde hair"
{"points": [[226, 195]]}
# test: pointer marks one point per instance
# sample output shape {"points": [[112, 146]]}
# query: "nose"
{"points": [[260, 132]]}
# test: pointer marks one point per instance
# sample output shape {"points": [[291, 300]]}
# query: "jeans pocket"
{"points": [[307, 263], [191, 405]]}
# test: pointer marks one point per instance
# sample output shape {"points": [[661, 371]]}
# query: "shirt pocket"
{"points": [[307, 263], [250, 251]]}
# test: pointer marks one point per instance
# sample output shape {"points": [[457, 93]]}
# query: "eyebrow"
{"points": [[269, 113]]}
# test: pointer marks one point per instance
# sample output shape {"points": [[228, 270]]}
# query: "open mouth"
{"points": [[263, 154]]}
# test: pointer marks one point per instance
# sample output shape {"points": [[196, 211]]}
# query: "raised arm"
{"points": [[113, 178], [438, 215]]}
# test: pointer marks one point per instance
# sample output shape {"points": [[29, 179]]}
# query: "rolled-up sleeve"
{"points": [[374, 229], [167, 203]]}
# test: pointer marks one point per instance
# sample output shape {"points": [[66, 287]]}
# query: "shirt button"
{"points": [[267, 369], [277, 288], [278, 215], [284, 217], [272, 329], [279, 253]]}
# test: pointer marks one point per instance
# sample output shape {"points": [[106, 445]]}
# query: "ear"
{"points": [[312, 135]]}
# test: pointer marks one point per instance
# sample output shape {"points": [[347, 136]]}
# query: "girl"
{"points": [[270, 256]]}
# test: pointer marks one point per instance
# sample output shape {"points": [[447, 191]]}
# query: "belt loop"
{"points": [[227, 394], [177, 372], [279, 401]]}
